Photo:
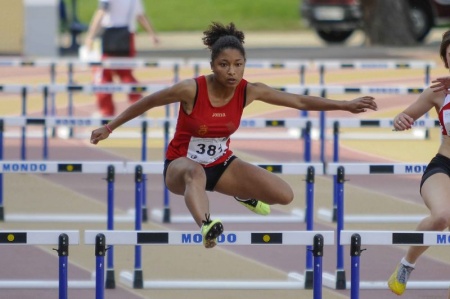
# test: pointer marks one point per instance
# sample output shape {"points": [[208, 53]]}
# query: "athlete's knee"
{"points": [[194, 173], [441, 221], [286, 196]]}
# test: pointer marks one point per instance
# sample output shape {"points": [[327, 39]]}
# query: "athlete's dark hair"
{"points": [[219, 37], [444, 45]]}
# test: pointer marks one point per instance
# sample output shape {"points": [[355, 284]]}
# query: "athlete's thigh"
{"points": [[246, 180], [179, 171], [436, 193]]}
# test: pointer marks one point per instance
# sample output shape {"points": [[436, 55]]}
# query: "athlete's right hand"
{"points": [[403, 122], [99, 134]]}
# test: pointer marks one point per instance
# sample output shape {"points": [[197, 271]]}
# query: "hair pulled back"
{"points": [[219, 37], [444, 45]]}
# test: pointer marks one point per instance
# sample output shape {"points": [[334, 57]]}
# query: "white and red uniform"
{"points": [[444, 116], [204, 135]]}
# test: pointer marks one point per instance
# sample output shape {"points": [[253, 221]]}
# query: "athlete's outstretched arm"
{"points": [[262, 92], [183, 91]]}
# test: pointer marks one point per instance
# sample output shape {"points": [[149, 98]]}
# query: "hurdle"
{"points": [[67, 167], [338, 123], [374, 64], [340, 170], [138, 238], [300, 65], [341, 89], [45, 237], [415, 238], [309, 169]]}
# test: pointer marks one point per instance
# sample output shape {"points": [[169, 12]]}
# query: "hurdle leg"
{"points": [[100, 249], [355, 252], [309, 225], [63, 253], [340, 272], [44, 130], [166, 215], [2, 211], [138, 282], [23, 153], [318, 253], [144, 176], [110, 280]]}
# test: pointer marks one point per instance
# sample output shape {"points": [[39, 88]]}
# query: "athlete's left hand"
{"points": [[441, 84]]}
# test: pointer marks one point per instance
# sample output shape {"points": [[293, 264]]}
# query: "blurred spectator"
{"points": [[114, 15]]}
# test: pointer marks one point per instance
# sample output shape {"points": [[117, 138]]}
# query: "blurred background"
{"points": [[56, 27]]}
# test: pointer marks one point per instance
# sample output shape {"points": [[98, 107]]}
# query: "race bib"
{"points": [[206, 150]]}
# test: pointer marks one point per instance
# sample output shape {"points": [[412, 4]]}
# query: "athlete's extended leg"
{"points": [[246, 180], [435, 192], [185, 177]]}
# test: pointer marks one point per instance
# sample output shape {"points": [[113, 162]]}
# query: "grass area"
{"points": [[195, 15]]}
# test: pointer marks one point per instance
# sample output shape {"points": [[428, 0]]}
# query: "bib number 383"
{"points": [[206, 150]]}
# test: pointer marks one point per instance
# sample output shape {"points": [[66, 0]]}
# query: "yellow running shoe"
{"points": [[397, 281], [254, 205], [211, 229]]}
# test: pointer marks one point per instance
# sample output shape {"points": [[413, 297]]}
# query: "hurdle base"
{"points": [[144, 215], [309, 279], [166, 215], [340, 280], [110, 282], [296, 216], [138, 279], [295, 281]]}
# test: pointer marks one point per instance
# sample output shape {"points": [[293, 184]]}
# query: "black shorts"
{"points": [[439, 164], [213, 173]]}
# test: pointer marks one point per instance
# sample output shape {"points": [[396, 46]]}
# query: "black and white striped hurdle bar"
{"points": [[379, 123], [19, 166], [139, 88], [116, 63], [260, 63], [375, 169], [39, 237], [372, 64], [123, 237], [414, 238], [34, 167], [152, 122], [425, 238], [341, 89], [251, 63], [294, 281]]}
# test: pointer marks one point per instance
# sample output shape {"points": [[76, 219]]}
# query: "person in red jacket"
{"points": [[115, 14], [199, 157]]}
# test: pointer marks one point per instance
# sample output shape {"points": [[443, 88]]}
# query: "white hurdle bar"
{"points": [[45, 237], [295, 280], [412, 238], [296, 216], [248, 123]]}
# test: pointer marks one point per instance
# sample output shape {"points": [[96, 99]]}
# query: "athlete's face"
{"points": [[447, 56], [228, 67]]}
